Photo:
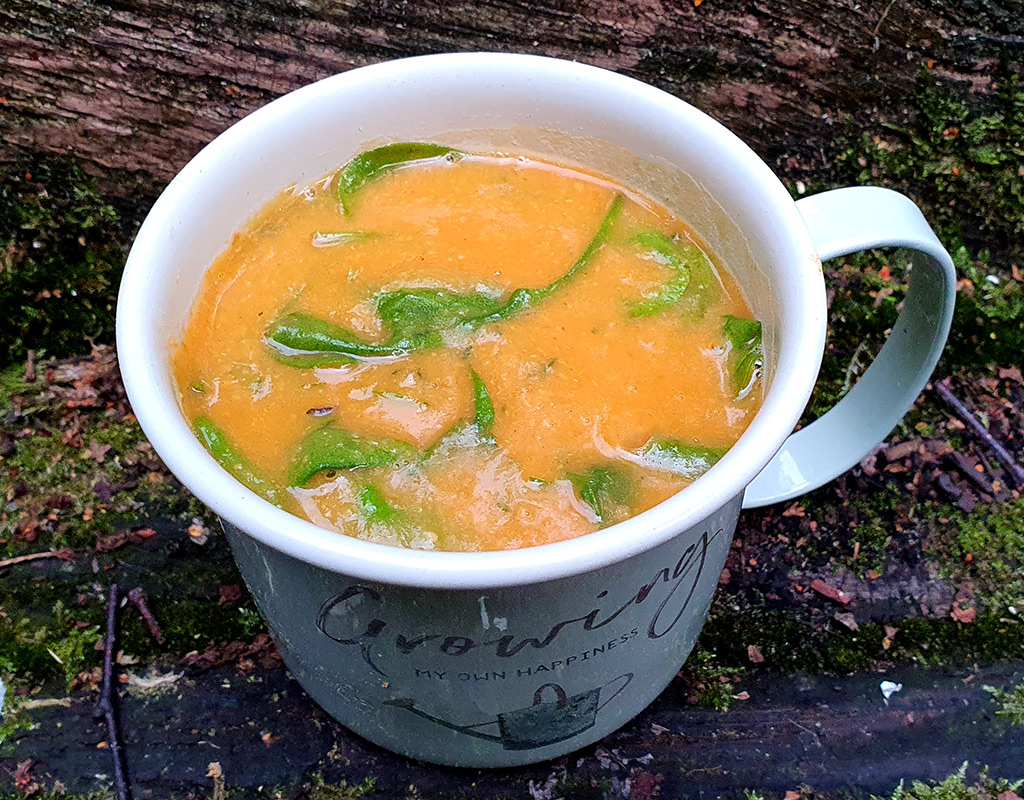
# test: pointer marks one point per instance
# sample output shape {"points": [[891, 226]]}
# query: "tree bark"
{"points": [[134, 89]]}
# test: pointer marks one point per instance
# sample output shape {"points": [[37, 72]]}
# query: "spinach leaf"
{"points": [[308, 360], [688, 460], [377, 510], [483, 419], [213, 438], [375, 507], [744, 337], [705, 288], [693, 285], [405, 526], [303, 340], [605, 489], [484, 416], [408, 312], [331, 448], [664, 251], [373, 163]]}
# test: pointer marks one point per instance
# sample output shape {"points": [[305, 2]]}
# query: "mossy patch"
{"points": [[863, 525], [867, 290], [956, 787], [75, 463], [64, 612], [1011, 702], [988, 321], [792, 643], [62, 250], [61, 645], [13, 720], [319, 790], [986, 550], [959, 157], [709, 682]]}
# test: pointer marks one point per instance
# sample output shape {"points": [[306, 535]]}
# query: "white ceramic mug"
{"points": [[502, 658]]}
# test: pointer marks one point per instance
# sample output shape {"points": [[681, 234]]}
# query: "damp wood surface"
{"points": [[910, 568], [135, 90], [835, 735]]}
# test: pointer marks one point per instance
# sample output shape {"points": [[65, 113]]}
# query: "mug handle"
{"points": [[841, 222]]}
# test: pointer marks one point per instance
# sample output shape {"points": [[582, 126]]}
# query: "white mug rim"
{"points": [[162, 420]]}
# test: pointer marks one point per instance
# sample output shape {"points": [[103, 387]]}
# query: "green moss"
{"points": [[871, 541], [988, 321], [74, 646], [342, 791], [35, 648], [52, 463], [251, 621], [955, 787], [959, 158], [710, 683], [1012, 702], [32, 642], [193, 624], [986, 549], [856, 532], [12, 383], [987, 325], [864, 306], [13, 720], [61, 609], [61, 256], [790, 643]]}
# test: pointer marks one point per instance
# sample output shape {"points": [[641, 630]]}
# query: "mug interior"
{"points": [[566, 111]]}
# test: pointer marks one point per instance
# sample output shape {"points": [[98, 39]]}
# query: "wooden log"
{"points": [[837, 735], [133, 90]]}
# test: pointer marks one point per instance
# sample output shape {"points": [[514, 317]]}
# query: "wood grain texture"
{"points": [[134, 89]]}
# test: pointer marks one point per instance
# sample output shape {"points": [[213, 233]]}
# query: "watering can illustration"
{"points": [[545, 722]]}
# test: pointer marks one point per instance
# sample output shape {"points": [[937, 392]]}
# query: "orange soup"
{"points": [[442, 350]]}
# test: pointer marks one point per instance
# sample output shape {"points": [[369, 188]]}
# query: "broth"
{"points": [[440, 350]]}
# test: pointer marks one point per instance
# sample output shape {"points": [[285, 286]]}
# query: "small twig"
{"points": [[959, 496], [975, 477], [1015, 470], [817, 740], [107, 705], [881, 19], [46, 702], [854, 366], [138, 600], [64, 553], [716, 770], [30, 367]]}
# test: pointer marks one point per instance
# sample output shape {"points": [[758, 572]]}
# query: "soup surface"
{"points": [[440, 350]]}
